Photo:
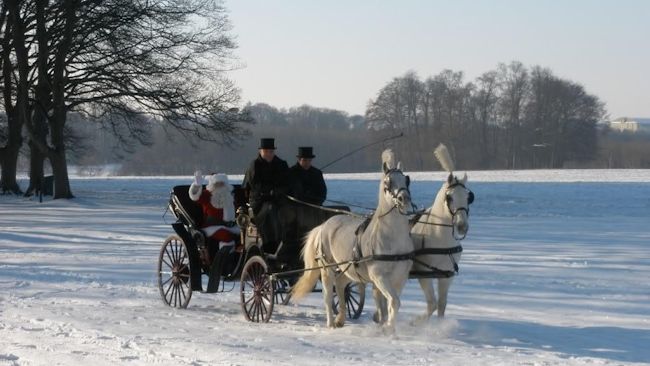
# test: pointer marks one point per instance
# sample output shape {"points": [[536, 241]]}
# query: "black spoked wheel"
{"points": [[257, 291], [282, 288], [174, 273], [355, 296]]}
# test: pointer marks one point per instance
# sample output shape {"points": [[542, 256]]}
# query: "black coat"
{"points": [[308, 185], [266, 181]]}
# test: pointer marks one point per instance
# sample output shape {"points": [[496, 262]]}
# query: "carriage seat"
{"points": [[189, 212]]}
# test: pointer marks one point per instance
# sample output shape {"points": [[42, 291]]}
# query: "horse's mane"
{"points": [[442, 154]]}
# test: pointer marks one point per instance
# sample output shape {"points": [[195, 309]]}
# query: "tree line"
{"points": [[95, 82], [512, 117], [124, 65], [330, 132], [333, 134]]}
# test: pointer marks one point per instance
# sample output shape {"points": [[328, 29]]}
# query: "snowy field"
{"points": [[556, 271]]}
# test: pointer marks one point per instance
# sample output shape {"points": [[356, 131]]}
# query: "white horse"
{"points": [[381, 254], [437, 234]]}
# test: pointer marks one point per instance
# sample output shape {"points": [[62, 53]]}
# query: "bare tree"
{"points": [[485, 101], [15, 89], [513, 79], [125, 62], [37, 125], [402, 105], [561, 120]]}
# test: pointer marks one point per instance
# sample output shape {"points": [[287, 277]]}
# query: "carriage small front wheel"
{"points": [[355, 297], [257, 290], [174, 280], [282, 288]]}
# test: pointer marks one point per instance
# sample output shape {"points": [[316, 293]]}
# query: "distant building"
{"points": [[633, 125]]}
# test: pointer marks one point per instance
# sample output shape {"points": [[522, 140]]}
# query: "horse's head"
{"points": [[457, 199], [395, 185]]}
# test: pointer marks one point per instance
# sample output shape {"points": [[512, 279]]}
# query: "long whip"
{"points": [[361, 148]]}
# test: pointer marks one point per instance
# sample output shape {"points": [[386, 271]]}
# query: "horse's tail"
{"points": [[442, 154], [308, 280]]}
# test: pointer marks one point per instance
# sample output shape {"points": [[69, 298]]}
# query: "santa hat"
{"points": [[218, 178]]}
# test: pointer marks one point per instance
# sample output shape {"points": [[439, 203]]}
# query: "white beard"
{"points": [[222, 198]]}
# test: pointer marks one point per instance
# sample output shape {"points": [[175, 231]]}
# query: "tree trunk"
{"points": [[9, 164], [16, 114], [60, 170], [37, 126], [56, 154], [36, 163]]}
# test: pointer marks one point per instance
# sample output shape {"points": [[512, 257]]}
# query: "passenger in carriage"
{"points": [[218, 208], [307, 183], [266, 183]]}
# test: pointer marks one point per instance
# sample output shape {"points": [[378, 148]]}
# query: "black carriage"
{"points": [[265, 278]]}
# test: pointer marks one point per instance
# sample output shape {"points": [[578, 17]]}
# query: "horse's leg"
{"points": [[341, 283], [430, 294], [380, 303], [327, 279], [391, 296], [443, 290]]}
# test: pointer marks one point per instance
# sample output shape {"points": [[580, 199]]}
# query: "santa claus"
{"points": [[218, 208]]}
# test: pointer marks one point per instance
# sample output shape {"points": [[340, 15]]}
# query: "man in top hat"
{"points": [[307, 185], [307, 182], [266, 183]]}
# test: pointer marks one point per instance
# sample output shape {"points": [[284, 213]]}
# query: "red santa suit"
{"points": [[218, 208]]}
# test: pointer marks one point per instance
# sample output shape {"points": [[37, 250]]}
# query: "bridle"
{"points": [[470, 199], [394, 194], [452, 212]]}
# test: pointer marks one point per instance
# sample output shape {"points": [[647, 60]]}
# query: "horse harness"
{"points": [[431, 272]]}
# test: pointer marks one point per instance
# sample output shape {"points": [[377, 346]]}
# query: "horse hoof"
{"points": [[376, 318]]}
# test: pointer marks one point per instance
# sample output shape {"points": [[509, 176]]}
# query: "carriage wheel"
{"points": [[174, 279], [355, 297], [256, 291], [282, 288]]}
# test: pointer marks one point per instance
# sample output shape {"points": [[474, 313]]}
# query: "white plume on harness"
{"points": [[442, 154]]}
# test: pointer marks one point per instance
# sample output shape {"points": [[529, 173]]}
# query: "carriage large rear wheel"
{"points": [[257, 290], [355, 297], [174, 279]]}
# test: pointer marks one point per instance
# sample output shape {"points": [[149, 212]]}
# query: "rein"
{"points": [[425, 213], [323, 208], [452, 226], [350, 204]]}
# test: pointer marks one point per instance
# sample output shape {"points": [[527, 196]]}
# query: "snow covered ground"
{"points": [[555, 271]]}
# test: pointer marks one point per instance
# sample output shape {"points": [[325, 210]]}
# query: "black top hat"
{"points": [[305, 152], [267, 143]]}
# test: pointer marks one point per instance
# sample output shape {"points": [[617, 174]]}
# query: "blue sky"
{"points": [[339, 54]]}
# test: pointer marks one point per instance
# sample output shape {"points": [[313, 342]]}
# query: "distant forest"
{"points": [[512, 117]]}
